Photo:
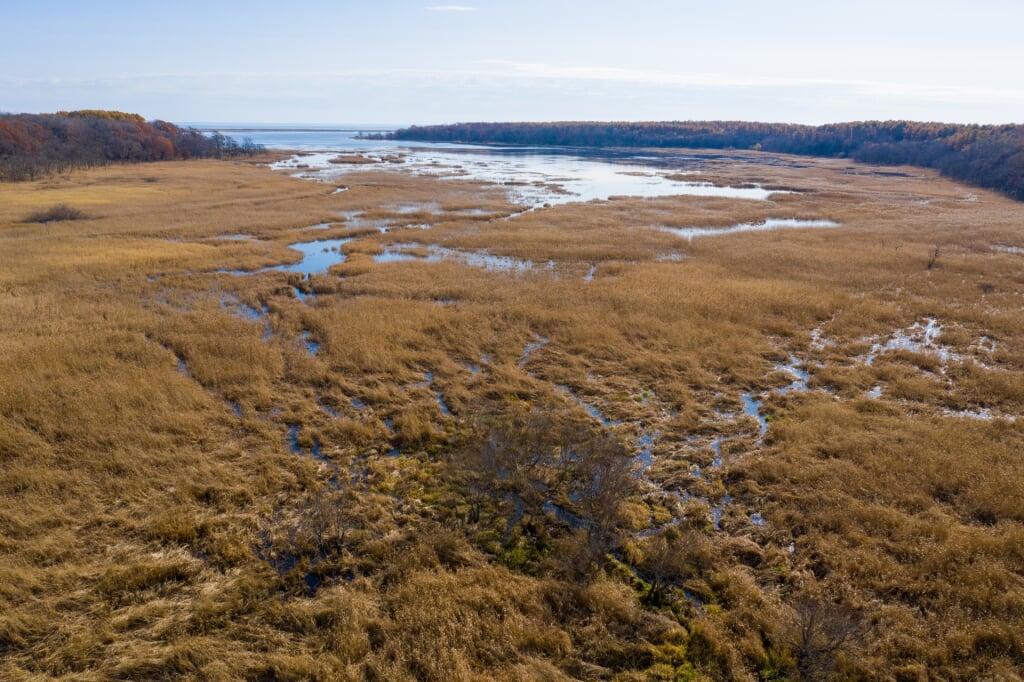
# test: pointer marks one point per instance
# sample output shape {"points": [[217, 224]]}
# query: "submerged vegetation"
{"points": [[987, 156], [756, 455], [35, 145]]}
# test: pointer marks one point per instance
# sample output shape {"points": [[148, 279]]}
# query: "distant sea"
{"points": [[301, 137]]}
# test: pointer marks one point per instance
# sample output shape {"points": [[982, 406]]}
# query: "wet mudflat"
{"points": [[533, 177]]}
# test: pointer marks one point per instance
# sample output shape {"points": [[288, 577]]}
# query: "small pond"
{"points": [[317, 258]]}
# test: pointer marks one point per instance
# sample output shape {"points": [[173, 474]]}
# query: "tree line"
{"points": [[989, 156], [35, 145]]}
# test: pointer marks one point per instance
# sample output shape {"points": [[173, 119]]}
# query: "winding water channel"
{"points": [[532, 178]]}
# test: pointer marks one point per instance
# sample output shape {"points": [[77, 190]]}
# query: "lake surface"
{"points": [[532, 176], [300, 137]]}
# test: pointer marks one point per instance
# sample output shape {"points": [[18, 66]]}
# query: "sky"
{"points": [[402, 62]]}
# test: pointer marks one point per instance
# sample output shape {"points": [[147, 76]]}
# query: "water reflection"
{"points": [[532, 176], [689, 233], [396, 253], [317, 258], [539, 179]]}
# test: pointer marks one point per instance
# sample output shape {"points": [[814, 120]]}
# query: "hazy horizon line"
{"points": [[357, 127], [335, 126]]}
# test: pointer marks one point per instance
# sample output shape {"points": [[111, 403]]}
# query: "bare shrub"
{"points": [[820, 631], [664, 562], [55, 213], [556, 466]]}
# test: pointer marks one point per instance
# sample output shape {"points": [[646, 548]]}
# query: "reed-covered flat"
{"points": [[487, 439]]}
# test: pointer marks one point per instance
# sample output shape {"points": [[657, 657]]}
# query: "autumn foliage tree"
{"points": [[34, 145]]}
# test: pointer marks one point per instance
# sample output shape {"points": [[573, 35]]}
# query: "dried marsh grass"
{"points": [[157, 523]]}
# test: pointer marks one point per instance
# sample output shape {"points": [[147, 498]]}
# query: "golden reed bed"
{"points": [[163, 516]]}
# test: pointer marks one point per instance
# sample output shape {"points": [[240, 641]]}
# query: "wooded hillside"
{"points": [[32, 145]]}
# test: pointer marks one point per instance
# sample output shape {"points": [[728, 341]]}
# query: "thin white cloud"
{"points": [[450, 8], [965, 93], [488, 73], [552, 91], [639, 77]]}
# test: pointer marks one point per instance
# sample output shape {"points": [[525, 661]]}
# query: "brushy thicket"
{"points": [[989, 156], [55, 213], [34, 145]]}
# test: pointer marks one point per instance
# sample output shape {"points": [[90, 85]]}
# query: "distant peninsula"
{"points": [[987, 156]]}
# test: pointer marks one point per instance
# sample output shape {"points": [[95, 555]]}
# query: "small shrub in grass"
{"points": [[55, 213]]}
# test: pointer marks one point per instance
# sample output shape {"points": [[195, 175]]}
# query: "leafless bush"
{"points": [[55, 213], [555, 465], [821, 630]]}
